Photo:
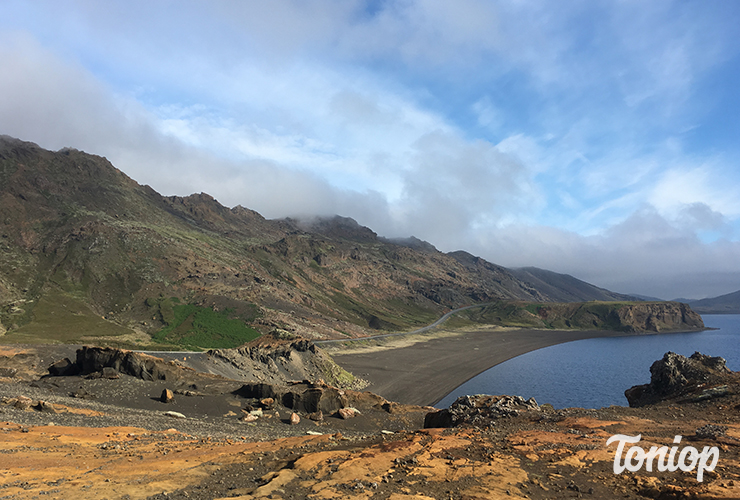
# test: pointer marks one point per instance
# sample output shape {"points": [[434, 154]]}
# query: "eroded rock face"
{"points": [[107, 361], [305, 397], [659, 316], [280, 361], [675, 376], [479, 411]]}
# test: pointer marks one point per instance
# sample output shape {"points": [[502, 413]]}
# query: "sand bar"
{"points": [[423, 371]]}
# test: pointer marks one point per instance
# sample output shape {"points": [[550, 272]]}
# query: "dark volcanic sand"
{"points": [[425, 372]]}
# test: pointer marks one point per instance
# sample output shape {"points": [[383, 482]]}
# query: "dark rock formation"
{"points": [[678, 376], [305, 397], [108, 362], [479, 411], [64, 367]]}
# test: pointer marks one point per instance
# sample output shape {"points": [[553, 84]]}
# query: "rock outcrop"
{"points": [[674, 376], [636, 317], [106, 361], [479, 411], [304, 397], [659, 316], [281, 361]]}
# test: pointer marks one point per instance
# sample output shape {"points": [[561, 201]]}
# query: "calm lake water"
{"points": [[594, 373]]}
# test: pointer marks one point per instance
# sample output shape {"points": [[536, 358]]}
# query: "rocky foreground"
{"points": [[114, 424]]}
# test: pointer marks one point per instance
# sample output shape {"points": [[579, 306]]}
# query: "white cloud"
{"points": [[558, 137], [705, 184], [644, 254]]}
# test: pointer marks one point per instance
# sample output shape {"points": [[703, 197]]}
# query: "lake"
{"points": [[594, 373]]}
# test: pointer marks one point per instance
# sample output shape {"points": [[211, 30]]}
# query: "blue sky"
{"points": [[598, 139]]}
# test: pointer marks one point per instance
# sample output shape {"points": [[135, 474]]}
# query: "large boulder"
{"points": [[676, 376], [479, 411]]}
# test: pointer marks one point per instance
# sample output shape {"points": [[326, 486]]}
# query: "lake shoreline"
{"points": [[424, 371]]}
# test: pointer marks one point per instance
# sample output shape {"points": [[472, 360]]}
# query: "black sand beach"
{"points": [[425, 371]]}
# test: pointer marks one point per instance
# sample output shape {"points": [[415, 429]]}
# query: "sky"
{"points": [[594, 138]]}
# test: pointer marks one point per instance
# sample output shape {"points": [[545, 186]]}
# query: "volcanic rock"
{"points": [[108, 362], [346, 413], [64, 367], [23, 402], [267, 402], [479, 411], [676, 376], [167, 396], [304, 397]]}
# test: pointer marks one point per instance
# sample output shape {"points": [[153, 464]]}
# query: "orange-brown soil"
{"points": [[70, 447], [555, 454], [562, 459]]}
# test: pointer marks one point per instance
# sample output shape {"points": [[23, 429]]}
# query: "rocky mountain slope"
{"points": [[565, 288], [86, 253]]}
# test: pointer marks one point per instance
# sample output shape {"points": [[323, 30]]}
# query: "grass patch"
{"points": [[192, 326], [58, 317]]}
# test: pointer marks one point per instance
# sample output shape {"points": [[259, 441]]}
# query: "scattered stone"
{"points": [[267, 403], [167, 396], [391, 407], [23, 403], [347, 413], [174, 414], [249, 418], [711, 431], [45, 407], [82, 394], [317, 416], [294, 419], [186, 392]]}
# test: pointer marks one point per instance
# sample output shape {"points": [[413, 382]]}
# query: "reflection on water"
{"points": [[594, 373]]}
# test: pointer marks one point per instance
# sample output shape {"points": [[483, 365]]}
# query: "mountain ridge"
{"points": [[728, 303], [81, 240]]}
